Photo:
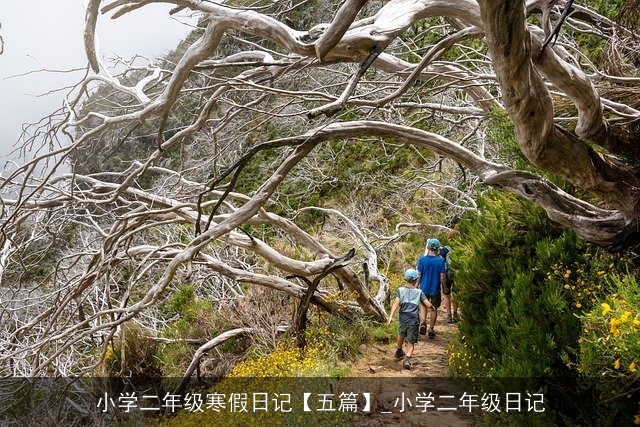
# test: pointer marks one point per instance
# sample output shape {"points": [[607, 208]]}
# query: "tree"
{"points": [[522, 68], [173, 141]]}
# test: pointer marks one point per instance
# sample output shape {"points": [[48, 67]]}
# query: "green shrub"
{"points": [[523, 284], [132, 353], [610, 350], [195, 320]]}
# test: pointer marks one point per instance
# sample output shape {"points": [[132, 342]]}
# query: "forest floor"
{"points": [[420, 396]]}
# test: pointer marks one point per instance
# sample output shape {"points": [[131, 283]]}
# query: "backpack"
{"points": [[445, 252]]}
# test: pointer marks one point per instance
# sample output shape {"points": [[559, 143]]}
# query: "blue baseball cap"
{"points": [[411, 275], [433, 244]]}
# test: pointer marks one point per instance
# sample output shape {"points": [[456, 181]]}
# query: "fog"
{"points": [[44, 54]]}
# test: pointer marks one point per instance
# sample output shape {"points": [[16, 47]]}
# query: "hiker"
{"points": [[412, 304], [450, 303], [433, 280]]}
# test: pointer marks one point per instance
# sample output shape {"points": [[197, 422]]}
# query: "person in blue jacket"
{"points": [[433, 280]]}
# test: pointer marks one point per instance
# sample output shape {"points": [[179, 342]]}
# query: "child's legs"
{"points": [[410, 347], [402, 334], [454, 300], [435, 300], [446, 299], [411, 338], [433, 316], [399, 341]]}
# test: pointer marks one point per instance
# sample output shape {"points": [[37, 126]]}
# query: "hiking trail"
{"points": [[395, 388]]}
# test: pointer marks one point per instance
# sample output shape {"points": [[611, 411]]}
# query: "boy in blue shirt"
{"points": [[409, 300], [433, 280]]}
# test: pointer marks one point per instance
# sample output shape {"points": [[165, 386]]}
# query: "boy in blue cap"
{"points": [[433, 280], [409, 299]]}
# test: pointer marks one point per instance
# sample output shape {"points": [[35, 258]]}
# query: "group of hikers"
{"points": [[426, 287]]}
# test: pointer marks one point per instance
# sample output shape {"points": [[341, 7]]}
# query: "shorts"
{"points": [[409, 332], [436, 300]]}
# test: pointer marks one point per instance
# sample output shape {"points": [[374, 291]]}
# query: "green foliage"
{"points": [[529, 290], [181, 301], [421, 36], [608, 8], [501, 134], [195, 319], [610, 349], [396, 277], [587, 281], [611, 340], [132, 352], [340, 338], [256, 170], [594, 46], [356, 168], [382, 333], [516, 324]]}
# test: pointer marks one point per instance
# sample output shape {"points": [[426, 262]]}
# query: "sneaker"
{"points": [[406, 363], [423, 328], [432, 334], [449, 318], [399, 353]]}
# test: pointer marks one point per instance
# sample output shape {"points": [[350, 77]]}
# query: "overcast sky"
{"points": [[47, 34]]}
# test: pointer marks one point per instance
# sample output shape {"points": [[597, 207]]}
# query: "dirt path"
{"points": [[417, 397]]}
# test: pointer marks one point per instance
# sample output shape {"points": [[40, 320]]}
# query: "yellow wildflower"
{"points": [[636, 419], [613, 327], [632, 366], [625, 316], [605, 308], [616, 364]]}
